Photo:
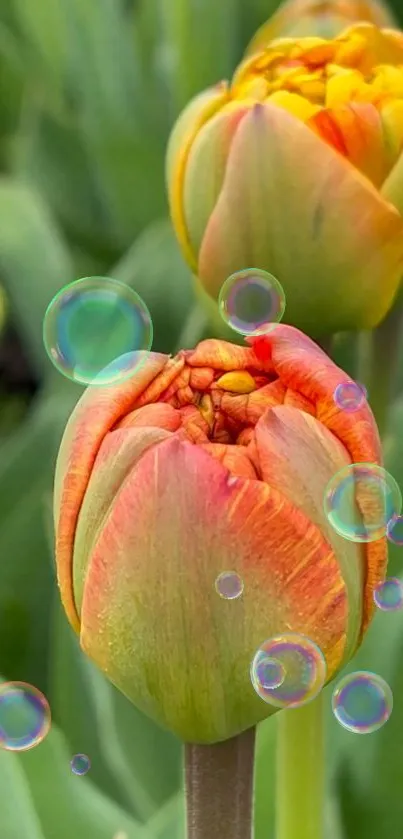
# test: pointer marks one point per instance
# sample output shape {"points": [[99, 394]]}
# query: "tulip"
{"points": [[296, 168], [215, 460], [319, 17]]}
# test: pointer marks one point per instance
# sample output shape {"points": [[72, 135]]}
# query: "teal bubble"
{"points": [[80, 764], [362, 702], [24, 716], [395, 530], [388, 595], [97, 331], [252, 302], [298, 661], [360, 500]]}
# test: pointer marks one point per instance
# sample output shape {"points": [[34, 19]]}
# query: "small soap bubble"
{"points": [[394, 530], [24, 716], [80, 764], [362, 702], [388, 595], [350, 396], [229, 585], [97, 331], [303, 670], [252, 302], [269, 672], [360, 500]]}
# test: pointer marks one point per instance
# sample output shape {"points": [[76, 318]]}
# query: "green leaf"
{"points": [[155, 269], [69, 805], [393, 458], [34, 262], [17, 807], [265, 779]]}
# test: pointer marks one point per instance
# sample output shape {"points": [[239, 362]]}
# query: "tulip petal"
{"points": [[298, 456], [191, 120], [303, 366], [94, 415], [322, 229], [118, 454], [178, 521], [205, 169]]}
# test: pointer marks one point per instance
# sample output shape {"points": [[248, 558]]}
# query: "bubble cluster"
{"points": [[362, 702], [24, 716], [360, 500], [251, 302], [80, 764], [350, 396], [388, 595], [97, 331], [299, 672], [229, 585], [394, 530]]}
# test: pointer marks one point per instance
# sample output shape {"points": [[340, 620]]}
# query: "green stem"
{"points": [[300, 772], [219, 788], [383, 367]]}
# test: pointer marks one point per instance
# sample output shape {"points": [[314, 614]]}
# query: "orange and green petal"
{"points": [[322, 229], [178, 521]]}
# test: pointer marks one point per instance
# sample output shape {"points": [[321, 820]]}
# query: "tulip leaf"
{"points": [[25, 576], [155, 269], [393, 456], [67, 804], [34, 262], [18, 815]]}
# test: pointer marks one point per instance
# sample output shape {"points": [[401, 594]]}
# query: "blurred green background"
{"points": [[89, 90]]}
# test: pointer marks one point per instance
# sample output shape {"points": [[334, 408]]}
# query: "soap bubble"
{"points": [[252, 302], [80, 764], [229, 585], [24, 716], [362, 702], [360, 500], [300, 663], [350, 396], [97, 331], [388, 595]]}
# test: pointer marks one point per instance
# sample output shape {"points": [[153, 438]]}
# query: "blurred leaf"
{"points": [[393, 457], [155, 269], [370, 771], [18, 816], [202, 39], [34, 262], [26, 461], [169, 822], [69, 805]]}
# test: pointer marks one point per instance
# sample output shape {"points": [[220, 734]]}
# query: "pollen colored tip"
{"points": [[261, 346]]}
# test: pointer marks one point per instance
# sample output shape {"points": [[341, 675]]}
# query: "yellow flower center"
{"points": [[349, 90]]}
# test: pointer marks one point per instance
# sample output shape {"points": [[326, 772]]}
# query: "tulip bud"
{"points": [[215, 460], [296, 168], [325, 18]]}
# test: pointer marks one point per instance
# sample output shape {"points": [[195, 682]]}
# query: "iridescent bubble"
{"points": [[394, 530], [97, 331], [229, 585], [350, 396], [360, 500], [24, 716], [362, 702], [80, 764], [303, 668], [388, 596], [252, 302], [269, 672]]}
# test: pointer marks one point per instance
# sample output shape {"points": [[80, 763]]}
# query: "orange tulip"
{"points": [[319, 17], [211, 461], [296, 168]]}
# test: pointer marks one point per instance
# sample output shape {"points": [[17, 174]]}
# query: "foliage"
{"points": [[88, 94]]}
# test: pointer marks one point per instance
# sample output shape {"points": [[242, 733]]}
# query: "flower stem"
{"points": [[219, 788], [300, 772]]}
